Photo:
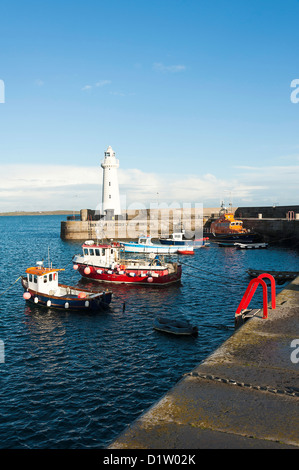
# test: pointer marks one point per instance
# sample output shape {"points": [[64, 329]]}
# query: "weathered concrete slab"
{"points": [[244, 395]]}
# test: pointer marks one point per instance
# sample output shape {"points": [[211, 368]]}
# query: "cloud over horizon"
{"points": [[54, 187]]}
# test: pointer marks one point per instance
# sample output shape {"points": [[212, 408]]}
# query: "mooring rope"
{"points": [[10, 286], [226, 278]]}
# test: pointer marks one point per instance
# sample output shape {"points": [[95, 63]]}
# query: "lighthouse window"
{"points": [[109, 183], [109, 196]]}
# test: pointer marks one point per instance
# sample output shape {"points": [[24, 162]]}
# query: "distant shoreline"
{"points": [[62, 212]]}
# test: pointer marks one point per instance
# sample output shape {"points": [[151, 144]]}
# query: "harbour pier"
{"points": [[244, 395], [135, 223], [274, 224]]}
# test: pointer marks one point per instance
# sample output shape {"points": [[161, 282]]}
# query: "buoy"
{"points": [[81, 295], [87, 303], [26, 295], [48, 303], [75, 267], [149, 279], [35, 300], [66, 305], [87, 270]]}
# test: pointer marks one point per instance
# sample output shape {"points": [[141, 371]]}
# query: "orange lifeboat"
{"points": [[227, 224], [226, 230]]}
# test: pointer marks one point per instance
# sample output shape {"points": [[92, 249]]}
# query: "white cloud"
{"points": [[46, 187], [103, 83], [168, 68], [100, 83]]}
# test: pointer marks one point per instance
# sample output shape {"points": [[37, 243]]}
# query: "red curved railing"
{"points": [[252, 286]]}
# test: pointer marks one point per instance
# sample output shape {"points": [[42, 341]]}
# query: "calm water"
{"points": [[73, 380]]}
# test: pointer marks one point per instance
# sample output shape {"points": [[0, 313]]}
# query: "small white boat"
{"points": [[145, 245], [175, 327], [177, 238], [245, 246]]}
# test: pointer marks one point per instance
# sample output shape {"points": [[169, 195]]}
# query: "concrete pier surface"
{"points": [[244, 395]]}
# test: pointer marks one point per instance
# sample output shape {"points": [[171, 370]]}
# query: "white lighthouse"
{"points": [[110, 191]]}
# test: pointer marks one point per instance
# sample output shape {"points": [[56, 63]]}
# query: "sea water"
{"points": [[76, 380]]}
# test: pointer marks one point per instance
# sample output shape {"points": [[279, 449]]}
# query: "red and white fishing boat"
{"points": [[102, 262]]}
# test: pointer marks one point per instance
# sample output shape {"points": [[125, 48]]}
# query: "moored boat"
{"points": [[177, 238], [250, 246], [186, 250], [226, 230], [41, 288], [280, 276], [145, 245], [175, 327], [102, 262]]}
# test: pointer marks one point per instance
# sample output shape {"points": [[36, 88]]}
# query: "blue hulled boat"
{"points": [[42, 289]]}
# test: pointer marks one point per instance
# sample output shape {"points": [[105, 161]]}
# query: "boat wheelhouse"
{"points": [[102, 262], [42, 289], [175, 238]]}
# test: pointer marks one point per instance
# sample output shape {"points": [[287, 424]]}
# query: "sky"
{"points": [[199, 100]]}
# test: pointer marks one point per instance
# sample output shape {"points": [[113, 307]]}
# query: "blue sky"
{"points": [[193, 96]]}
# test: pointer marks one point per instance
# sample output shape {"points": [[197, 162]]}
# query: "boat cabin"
{"points": [[100, 254], [42, 280], [177, 236], [144, 240]]}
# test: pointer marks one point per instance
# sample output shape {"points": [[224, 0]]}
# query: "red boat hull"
{"points": [[155, 277]]}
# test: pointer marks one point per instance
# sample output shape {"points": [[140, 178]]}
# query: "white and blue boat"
{"points": [[41, 288], [177, 238], [145, 245]]}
